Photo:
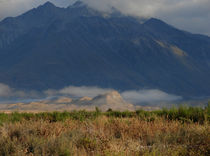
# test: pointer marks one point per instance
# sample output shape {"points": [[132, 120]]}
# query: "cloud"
{"points": [[136, 97], [78, 91], [140, 96], [191, 15], [149, 96], [6, 92]]}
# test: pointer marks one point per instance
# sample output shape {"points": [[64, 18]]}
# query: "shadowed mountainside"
{"points": [[51, 47]]}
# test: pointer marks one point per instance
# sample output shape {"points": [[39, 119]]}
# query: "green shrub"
{"points": [[182, 113]]}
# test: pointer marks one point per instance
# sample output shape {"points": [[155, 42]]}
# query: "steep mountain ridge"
{"points": [[51, 47]]}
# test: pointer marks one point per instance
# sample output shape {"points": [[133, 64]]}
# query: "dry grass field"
{"points": [[182, 131]]}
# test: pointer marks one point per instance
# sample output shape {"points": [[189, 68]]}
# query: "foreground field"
{"points": [[183, 131]]}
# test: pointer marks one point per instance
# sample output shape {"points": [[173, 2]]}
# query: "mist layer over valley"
{"points": [[79, 98]]}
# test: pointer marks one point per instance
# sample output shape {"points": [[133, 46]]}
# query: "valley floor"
{"points": [[166, 132]]}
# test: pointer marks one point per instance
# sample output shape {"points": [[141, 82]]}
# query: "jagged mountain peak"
{"points": [[115, 12], [47, 5], [161, 26], [46, 10], [154, 22], [79, 4]]}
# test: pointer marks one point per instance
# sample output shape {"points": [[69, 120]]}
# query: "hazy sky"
{"points": [[190, 15]]}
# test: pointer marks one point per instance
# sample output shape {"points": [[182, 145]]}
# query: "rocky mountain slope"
{"points": [[51, 47]]}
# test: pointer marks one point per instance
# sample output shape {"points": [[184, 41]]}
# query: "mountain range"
{"points": [[52, 47]]}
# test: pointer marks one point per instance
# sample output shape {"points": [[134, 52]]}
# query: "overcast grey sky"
{"points": [[190, 15]]}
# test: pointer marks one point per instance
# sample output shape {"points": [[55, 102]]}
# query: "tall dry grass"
{"points": [[104, 135]]}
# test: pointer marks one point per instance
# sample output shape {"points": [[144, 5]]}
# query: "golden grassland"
{"points": [[182, 131]]}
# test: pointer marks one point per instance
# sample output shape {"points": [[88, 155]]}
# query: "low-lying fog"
{"points": [[150, 96]]}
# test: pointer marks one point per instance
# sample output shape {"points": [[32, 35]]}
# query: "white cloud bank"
{"points": [[6, 92], [78, 91], [133, 96], [190, 15], [149, 96], [140, 96]]}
